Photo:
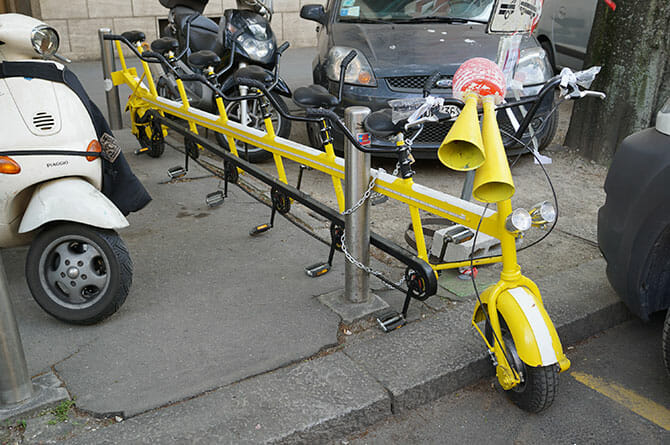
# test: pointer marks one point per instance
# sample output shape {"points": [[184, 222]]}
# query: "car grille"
{"points": [[434, 133], [405, 83]]}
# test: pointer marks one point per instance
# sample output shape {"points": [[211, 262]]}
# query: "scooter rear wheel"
{"points": [[538, 386], [77, 273]]}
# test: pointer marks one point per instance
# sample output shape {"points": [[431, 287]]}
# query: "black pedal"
{"points": [[260, 229], [378, 198], [214, 199], [176, 172], [318, 269], [140, 151], [391, 320]]}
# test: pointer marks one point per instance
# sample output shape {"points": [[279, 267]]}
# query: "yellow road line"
{"points": [[642, 406]]}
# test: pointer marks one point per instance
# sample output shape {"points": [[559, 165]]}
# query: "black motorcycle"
{"points": [[242, 38]]}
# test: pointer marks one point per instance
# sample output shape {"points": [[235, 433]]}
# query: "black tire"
{"points": [[95, 260], [666, 342], [546, 46], [282, 128], [147, 138], [539, 385]]}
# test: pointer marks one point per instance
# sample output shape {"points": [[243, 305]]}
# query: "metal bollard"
{"points": [[357, 178], [112, 92], [15, 383]]}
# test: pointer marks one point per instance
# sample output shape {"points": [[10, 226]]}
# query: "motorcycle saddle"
{"points": [[314, 96], [203, 59], [380, 123], [164, 45]]}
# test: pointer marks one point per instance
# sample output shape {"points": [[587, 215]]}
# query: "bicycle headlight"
{"points": [[519, 221], [45, 40], [359, 71], [543, 213], [532, 70]]}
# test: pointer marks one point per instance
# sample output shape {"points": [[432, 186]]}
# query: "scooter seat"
{"points": [[203, 59], [134, 36], [254, 72], [314, 96], [164, 45], [380, 123]]}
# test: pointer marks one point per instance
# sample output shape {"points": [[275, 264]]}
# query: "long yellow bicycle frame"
{"points": [[516, 297]]}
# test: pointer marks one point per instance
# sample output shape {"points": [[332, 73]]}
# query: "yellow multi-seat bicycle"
{"points": [[509, 315]]}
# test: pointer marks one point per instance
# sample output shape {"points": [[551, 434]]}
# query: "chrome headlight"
{"points": [[256, 49], [44, 40], [532, 69], [359, 71]]}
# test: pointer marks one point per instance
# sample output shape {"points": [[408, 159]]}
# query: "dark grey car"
{"points": [[400, 43]]}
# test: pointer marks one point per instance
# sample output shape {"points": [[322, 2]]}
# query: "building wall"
{"points": [[78, 21]]}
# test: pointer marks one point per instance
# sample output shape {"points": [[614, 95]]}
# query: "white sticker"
{"points": [[108, 84]]}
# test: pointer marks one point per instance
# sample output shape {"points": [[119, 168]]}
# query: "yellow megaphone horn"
{"points": [[463, 149], [493, 180]]}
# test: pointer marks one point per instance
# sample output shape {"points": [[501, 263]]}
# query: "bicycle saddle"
{"points": [[380, 123], [254, 72], [134, 36], [314, 96], [203, 59], [164, 44]]}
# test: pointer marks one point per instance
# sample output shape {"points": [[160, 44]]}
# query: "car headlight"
{"points": [[45, 40], [359, 71], [256, 49], [532, 70]]}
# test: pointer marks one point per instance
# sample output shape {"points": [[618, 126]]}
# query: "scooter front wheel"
{"points": [[77, 273], [539, 384]]}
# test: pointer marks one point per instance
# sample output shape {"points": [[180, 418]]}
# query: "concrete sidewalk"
{"points": [[222, 338]]}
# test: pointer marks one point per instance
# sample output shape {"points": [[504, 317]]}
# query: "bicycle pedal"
{"points": [[318, 269], [176, 172], [391, 320], [139, 151], [260, 229], [377, 200], [214, 199]]}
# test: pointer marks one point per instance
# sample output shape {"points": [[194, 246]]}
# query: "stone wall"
{"points": [[78, 21]]}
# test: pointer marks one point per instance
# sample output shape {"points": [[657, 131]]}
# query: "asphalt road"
{"points": [[617, 391]]}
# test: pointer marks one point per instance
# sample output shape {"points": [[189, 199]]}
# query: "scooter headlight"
{"points": [[257, 50], [45, 40]]}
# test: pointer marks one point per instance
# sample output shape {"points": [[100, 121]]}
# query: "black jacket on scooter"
{"points": [[119, 183]]}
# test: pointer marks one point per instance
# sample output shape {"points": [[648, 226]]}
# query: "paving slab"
{"points": [[311, 402]]}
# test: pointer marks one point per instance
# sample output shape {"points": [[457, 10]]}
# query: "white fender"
{"points": [[71, 199]]}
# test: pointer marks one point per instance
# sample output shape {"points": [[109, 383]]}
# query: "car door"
{"points": [[567, 25]]}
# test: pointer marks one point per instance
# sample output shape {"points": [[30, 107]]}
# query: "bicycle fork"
{"points": [[534, 340]]}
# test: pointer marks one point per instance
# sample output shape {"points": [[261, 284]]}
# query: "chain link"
{"points": [[368, 193]]}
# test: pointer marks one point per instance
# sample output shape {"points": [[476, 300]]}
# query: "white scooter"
{"points": [[51, 175]]}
